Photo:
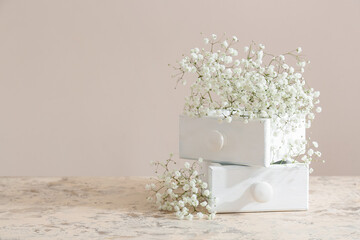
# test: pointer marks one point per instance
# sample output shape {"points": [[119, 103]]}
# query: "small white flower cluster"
{"points": [[182, 191], [259, 85]]}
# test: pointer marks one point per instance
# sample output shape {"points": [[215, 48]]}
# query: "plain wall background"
{"points": [[85, 88]]}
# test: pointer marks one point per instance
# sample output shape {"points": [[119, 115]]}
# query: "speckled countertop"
{"points": [[115, 208]]}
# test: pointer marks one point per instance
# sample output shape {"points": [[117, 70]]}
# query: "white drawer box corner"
{"points": [[280, 187], [231, 143]]}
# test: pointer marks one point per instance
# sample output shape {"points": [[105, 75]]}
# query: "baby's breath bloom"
{"points": [[189, 216], [206, 193], [225, 44], [285, 66], [177, 174], [186, 187], [310, 152], [182, 191], [212, 216], [200, 215]]}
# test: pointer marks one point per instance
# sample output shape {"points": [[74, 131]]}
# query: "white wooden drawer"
{"points": [[234, 142], [253, 189]]}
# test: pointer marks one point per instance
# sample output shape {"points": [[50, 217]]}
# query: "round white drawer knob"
{"points": [[262, 192], [215, 141]]}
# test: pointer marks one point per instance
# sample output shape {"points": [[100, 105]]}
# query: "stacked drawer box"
{"points": [[240, 174]]}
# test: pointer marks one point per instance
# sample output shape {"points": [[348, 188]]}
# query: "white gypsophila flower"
{"points": [[192, 183], [182, 191], [206, 40], [206, 193], [200, 159], [187, 165], [225, 44], [174, 185], [200, 215], [212, 216], [318, 109], [186, 187], [310, 152], [214, 36], [299, 50], [209, 208], [315, 144], [177, 174], [235, 39]]}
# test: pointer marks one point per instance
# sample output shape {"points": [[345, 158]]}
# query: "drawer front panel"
{"points": [[253, 189], [235, 142]]}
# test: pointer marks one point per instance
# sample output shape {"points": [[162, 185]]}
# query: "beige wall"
{"points": [[85, 88]]}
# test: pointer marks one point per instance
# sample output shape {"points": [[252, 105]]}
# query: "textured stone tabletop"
{"points": [[115, 208]]}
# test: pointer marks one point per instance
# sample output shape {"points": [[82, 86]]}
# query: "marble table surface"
{"points": [[115, 208]]}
